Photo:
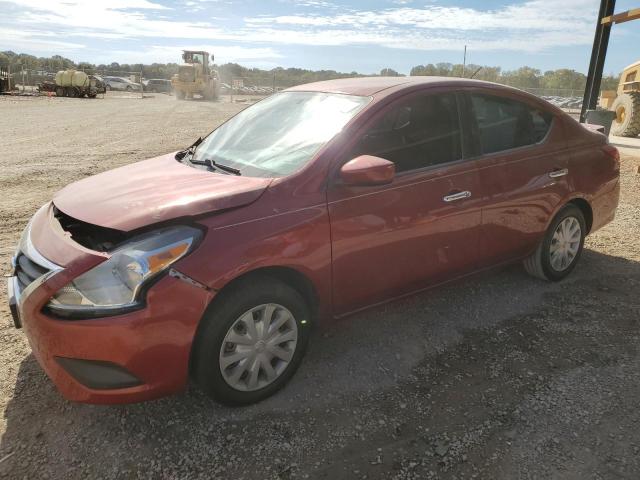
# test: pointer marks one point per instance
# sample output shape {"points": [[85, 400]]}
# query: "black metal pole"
{"points": [[598, 55]]}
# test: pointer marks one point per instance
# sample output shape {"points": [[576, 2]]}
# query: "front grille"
{"points": [[27, 270]]}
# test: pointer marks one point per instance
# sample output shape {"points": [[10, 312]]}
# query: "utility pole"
{"points": [[464, 61]]}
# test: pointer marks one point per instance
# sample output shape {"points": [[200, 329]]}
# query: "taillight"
{"points": [[612, 152]]}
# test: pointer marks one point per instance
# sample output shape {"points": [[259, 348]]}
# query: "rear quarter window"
{"points": [[504, 124]]}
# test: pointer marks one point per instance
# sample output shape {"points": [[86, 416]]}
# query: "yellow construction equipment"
{"points": [[625, 102], [196, 77]]}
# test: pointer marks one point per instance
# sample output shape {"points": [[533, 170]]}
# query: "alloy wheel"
{"points": [[258, 347]]}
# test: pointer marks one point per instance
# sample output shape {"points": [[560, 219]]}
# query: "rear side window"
{"points": [[503, 124], [416, 133]]}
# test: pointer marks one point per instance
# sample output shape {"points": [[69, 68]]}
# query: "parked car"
{"points": [[317, 202], [123, 84], [157, 85]]}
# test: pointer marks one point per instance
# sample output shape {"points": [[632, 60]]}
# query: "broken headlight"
{"points": [[115, 284]]}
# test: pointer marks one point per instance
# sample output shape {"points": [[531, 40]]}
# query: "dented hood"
{"points": [[153, 191]]}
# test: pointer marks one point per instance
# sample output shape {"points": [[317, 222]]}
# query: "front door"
{"points": [[420, 230]]}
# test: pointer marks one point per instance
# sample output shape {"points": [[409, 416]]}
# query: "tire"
{"points": [[59, 92], [248, 300], [179, 94], [627, 109], [128, 88], [541, 264]]}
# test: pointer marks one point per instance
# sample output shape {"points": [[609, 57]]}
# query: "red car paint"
{"points": [[355, 246], [153, 191]]}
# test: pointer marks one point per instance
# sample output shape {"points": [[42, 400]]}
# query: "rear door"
{"points": [[523, 161], [420, 230]]}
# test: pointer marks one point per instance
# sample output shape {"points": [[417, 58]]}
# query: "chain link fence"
{"points": [[132, 84]]}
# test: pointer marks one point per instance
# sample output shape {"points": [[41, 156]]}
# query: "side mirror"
{"points": [[367, 170]]}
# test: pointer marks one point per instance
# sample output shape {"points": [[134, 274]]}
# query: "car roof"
{"points": [[367, 86]]}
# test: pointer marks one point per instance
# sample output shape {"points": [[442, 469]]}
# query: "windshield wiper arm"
{"points": [[226, 168], [190, 150], [214, 165]]}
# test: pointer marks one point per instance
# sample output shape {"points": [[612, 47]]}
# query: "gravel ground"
{"points": [[497, 376]]}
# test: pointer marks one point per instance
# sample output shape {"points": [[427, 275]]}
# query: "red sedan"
{"points": [[316, 202]]}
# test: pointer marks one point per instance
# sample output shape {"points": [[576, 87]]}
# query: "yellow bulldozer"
{"points": [[195, 77], [625, 102]]}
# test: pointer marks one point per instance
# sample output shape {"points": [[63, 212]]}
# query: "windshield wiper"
{"points": [[215, 165], [189, 151]]}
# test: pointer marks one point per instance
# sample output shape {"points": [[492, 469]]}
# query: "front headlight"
{"points": [[116, 283]]}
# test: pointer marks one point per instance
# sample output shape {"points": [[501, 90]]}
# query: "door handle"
{"points": [[456, 196], [560, 172]]}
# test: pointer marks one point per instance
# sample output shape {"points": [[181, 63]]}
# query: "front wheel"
{"points": [[251, 342], [559, 251]]}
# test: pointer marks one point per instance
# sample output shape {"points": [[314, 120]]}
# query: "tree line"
{"points": [[523, 77]]}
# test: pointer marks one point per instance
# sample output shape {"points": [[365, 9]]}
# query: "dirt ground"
{"points": [[498, 376]]}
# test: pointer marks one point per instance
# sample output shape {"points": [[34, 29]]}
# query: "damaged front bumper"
{"points": [[118, 359]]}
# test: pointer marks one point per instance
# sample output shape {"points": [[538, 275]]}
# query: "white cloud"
{"points": [[530, 26], [27, 40], [223, 53], [541, 15]]}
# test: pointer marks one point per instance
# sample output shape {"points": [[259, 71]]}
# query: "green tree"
{"points": [[523, 77], [564, 78], [610, 82], [389, 72]]}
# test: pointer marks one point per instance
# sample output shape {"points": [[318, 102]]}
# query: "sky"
{"points": [[350, 35]]}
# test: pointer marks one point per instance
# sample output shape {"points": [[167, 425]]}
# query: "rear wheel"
{"points": [[179, 94], [251, 342], [59, 92], [559, 251], [627, 110]]}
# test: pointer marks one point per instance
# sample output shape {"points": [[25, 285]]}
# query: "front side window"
{"points": [[280, 134], [503, 124], [416, 133]]}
